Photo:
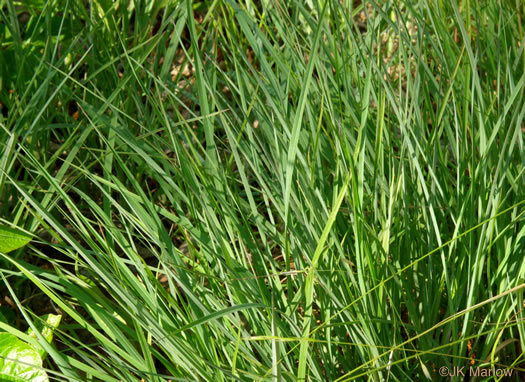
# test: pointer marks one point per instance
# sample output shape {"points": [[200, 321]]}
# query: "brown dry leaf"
{"points": [[471, 353]]}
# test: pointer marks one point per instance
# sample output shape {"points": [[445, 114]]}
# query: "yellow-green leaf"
{"points": [[11, 239]]}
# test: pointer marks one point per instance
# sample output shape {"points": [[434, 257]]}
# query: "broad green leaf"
{"points": [[45, 326], [11, 239], [19, 361]]}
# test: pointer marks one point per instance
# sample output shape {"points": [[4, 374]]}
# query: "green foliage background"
{"points": [[255, 190]]}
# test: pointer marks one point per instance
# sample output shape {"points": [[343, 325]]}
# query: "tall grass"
{"points": [[222, 190]]}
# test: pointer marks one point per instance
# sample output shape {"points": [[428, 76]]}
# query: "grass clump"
{"points": [[226, 190]]}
